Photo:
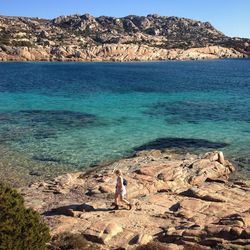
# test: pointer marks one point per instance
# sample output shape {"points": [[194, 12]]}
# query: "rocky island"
{"points": [[131, 38], [179, 202]]}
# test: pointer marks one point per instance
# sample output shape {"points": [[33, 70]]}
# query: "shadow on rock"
{"points": [[72, 209]]}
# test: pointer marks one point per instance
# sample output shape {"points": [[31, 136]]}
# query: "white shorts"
{"points": [[121, 192]]}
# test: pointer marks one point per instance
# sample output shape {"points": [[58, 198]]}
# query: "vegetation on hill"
{"points": [[152, 30], [104, 38]]}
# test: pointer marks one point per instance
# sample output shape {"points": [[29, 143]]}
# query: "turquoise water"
{"points": [[80, 114]]}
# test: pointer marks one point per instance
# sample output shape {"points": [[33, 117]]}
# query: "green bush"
{"points": [[4, 38], [20, 228], [154, 245], [69, 241], [21, 43]]}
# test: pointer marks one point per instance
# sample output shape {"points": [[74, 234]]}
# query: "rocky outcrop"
{"points": [[132, 38], [178, 200], [114, 52]]}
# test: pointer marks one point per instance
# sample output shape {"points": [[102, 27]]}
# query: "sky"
{"points": [[232, 17]]}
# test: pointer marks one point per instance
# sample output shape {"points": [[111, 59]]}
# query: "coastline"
{"points": [[133, 62], [178, 200], [52, 162], [19, 171], [115, 53]]}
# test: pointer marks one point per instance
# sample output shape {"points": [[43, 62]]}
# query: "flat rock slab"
{"points": [[101, 232], [177, 200]]}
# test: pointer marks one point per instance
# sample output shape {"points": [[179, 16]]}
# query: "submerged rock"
{"points": [[180, 143]]}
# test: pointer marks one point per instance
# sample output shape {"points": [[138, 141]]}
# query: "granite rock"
{"points": [[178, 200], [130, 38]]}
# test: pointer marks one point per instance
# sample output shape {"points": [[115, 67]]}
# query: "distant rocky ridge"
{"points": [[131, 38]]}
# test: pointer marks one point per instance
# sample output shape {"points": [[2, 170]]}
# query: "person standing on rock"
{"points": [[120, 190]]}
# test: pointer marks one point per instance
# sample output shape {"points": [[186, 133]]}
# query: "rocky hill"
{"points": [[86, 38]]}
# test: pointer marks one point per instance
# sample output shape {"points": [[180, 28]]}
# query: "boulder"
{"points": [[101, 232]]}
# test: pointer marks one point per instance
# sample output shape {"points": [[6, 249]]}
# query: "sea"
{"points": [[76, 115]]}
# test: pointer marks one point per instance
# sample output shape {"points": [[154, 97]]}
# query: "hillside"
{"points": [[86, 38]]}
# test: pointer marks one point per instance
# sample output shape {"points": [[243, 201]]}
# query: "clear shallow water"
{"points": [[79, 114]]}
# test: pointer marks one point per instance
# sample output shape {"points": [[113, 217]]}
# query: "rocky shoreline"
{"points": [[178, 200], [114, 52]]}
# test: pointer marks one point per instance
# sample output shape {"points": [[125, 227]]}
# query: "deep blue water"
{"points": [[83, 113]]}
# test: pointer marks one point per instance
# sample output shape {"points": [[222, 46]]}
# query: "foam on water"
{"points": [[79, 114]]}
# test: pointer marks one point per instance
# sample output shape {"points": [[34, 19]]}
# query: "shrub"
{"points": [[4, 38], [154, 245], [21, 43], [68, 241], [20, 228]]}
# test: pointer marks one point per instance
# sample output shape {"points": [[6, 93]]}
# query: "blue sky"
{"points": [[229, 16]]}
